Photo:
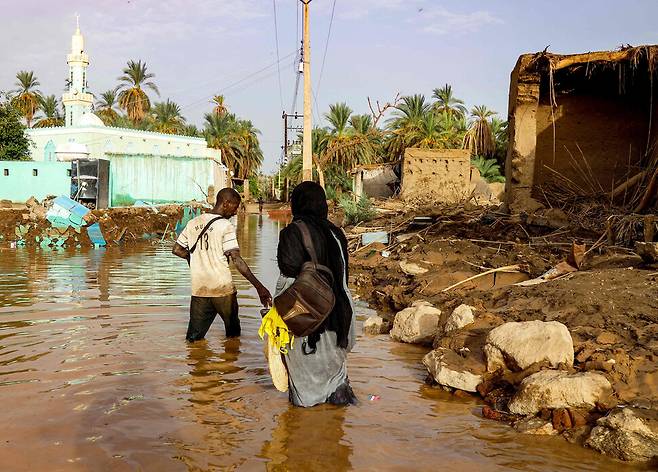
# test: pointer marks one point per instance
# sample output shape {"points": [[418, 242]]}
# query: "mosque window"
{"points": [[68, 172], [6, 173], [35, 172]]}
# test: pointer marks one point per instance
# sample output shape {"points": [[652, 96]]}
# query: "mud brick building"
{"points": [[583, 126]]}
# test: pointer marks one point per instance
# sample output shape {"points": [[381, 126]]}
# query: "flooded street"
{"points": [[95, 374]]}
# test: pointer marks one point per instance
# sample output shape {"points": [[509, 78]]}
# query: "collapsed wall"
{"points": [[581, 126]]}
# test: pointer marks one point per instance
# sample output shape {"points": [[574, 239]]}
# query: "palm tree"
{"points": [[190, 130], [447, 103], [480, 138], [132, 97], [26, 96], [220, 133], [167, 117], [488, 168], [406, 121], [251, 156], [51, 115], [499, 130], [429, 134], [362, 124], [220, 105], [105, 107]]}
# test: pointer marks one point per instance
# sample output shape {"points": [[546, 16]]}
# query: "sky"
{"points": [[375, 48]]}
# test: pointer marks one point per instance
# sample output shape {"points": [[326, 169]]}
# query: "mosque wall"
{"points": [[20, 180]]}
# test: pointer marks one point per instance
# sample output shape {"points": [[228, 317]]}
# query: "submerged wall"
{"points": [[20, 180]]}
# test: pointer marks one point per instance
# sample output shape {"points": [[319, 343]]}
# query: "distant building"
{"points": [[144, 165]]}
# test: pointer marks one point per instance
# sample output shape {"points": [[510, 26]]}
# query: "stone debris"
{"points": [[535, 425], [447, 369], [375, 325], [518, 345], [627, 434], [560, 389], [418, 324], [410, 268], [461, 316]]}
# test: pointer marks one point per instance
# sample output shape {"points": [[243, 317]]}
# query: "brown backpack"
{"points": [[308, 301]]}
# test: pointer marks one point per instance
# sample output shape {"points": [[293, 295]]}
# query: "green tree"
{"points": [[220, 132], [404, 124], [479, 138], [251, 155], [106, 107], [499, 130], [26, 96], [447, 103], [191, 130], [51, 114], [220, 105], [488, 168], [132, 96], [167, 117], [14, 143]]}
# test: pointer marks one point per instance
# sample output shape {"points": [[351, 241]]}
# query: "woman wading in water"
{"points": [[317, 369]]}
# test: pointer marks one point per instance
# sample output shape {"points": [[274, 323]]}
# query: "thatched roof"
{"points": [[628, 56]]}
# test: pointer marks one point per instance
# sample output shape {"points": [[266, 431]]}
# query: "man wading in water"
{"points": [[207, 243]]}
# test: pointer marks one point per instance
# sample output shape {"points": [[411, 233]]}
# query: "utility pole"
{"points": [[307, 156]]}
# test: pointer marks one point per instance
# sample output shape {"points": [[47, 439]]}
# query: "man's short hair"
{"points": [[228, 195]]}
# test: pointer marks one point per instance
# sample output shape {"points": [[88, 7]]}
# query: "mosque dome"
{"points": [[90, 119]]}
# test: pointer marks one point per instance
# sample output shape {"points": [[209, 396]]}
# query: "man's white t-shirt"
{"points": [[211, 276]]}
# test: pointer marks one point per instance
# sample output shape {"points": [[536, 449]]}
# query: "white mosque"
{"points": [[137, 158]]}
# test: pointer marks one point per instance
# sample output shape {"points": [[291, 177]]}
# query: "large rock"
{"points": [[417, 324], [558, 389], [375, 325], [627, 434], [519, 345], [460, 317], [450, 370]]}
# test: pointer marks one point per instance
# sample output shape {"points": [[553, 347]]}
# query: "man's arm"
{"points": [[179, 251], [243, 268]]}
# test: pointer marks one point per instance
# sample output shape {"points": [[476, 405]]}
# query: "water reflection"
{"points": [[308, 440]]}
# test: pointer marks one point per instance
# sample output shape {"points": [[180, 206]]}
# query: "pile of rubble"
{"points": [[58, 223], [522, 316]]}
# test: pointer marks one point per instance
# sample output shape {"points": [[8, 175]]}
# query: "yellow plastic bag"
{"points": [[279, 339], [277, 331]]}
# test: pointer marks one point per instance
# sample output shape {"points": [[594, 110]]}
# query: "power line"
{"points": [[326, 47], [278, 67]]}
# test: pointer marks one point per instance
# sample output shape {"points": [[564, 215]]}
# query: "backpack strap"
{"points": [[308, 242], [205, 228]]}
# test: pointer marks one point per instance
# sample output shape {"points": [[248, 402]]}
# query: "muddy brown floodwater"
{"points": [[95, 375]]}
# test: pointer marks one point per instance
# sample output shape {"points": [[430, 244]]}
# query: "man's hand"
{"points": [[243, 268], [265, 296]]}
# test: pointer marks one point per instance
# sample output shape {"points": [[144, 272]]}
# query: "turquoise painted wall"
{"points": [[21, 183], [158, 179]]}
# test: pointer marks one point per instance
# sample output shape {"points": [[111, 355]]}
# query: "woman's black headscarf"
{"points": [[309, 204]]}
